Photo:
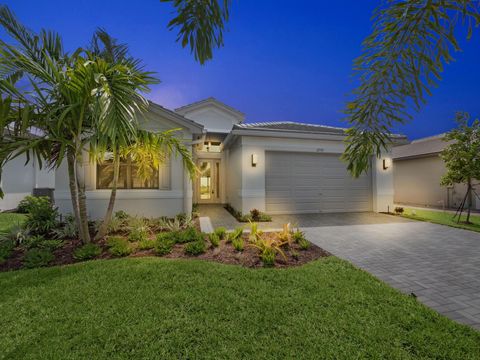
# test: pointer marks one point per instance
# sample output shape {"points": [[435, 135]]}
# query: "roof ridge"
{"points": [[263, 123], [210, 98]]}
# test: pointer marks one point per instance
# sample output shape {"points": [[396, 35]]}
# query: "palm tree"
{"points": [[402, 60]]}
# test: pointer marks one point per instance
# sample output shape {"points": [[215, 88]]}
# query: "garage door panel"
{"points": [[310, 182]]}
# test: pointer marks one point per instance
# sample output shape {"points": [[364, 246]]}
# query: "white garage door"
{"points": [[311, 182]]}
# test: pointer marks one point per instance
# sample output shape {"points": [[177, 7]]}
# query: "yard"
{"points": [[443, 218], [8, 220], [160, 308]]}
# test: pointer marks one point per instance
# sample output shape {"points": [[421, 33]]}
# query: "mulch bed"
{"points": [[225, 253]]}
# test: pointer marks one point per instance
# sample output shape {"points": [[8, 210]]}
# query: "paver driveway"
{"points": [[439, 264]]}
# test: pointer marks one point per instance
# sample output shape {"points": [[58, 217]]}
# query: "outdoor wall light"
{"points": [[254, 160], [387, 163]]}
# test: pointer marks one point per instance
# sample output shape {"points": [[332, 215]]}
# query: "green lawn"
{"points": [[158, 308], [7, 220], [444, 218]]}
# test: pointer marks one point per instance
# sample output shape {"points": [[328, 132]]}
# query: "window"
{"points": [[212, 146], [128, 178]]}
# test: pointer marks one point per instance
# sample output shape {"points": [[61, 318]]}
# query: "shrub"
{"points": [[146, 244], [24, 205], [33, 241], [118, 246], [67, 230], [221, 232], [255, 214], [214, 239], [87, 252], [298, 236], [138, 234], [235, 234], [189, 235], [295, 255], [16, 233], [115, 225], [163, 247], [42, 216], [52, 244], [399, 210], [304, 244], [37, 258], [195, 248], [6, 249], [121, 215], [268, 256], [238, 243]]}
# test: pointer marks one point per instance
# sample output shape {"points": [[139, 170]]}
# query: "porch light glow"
{"points": [[387, 163], [254, 160]]}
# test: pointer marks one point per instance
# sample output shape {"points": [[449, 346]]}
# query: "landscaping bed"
{"points": [[254, 215], [44, 240]]}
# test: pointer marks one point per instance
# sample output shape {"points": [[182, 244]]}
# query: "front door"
{"points": [[208, 183]]}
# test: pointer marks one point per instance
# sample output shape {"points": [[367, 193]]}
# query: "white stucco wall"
{"points": [[18, 181], [250, 193], [213, 118], [142, 202], [233, 176]]}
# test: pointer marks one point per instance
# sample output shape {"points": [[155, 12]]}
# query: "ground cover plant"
{"points": [[254, 215], [158, 308]]}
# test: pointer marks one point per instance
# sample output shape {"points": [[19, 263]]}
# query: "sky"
{"points": [[282, 60]]}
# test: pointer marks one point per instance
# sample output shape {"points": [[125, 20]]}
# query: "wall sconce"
{"points": [[254, 160], [387, 163]]}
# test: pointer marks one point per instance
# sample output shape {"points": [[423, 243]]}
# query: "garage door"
{"points": [[311, 182]]}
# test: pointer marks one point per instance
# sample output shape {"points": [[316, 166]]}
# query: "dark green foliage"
{"points": [[399, 210], [189, 235], [33, 241], [122, 215], [138, 234], [164, 246], [87, 252], [195, 248], [51, 244], [200, 25], [214, 239], [67, 230], [37, 258], [118, 246], [42, 216], [402, 60], [146, 244], [6, 249], [221, 232], [259, 216]]}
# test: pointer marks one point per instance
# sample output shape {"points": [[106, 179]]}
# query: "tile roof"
{"points": [[292, 126], [421, 147]]}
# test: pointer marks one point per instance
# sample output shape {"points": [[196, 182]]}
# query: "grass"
{"points": [[443, 218], [7, 220], [170, 309]]}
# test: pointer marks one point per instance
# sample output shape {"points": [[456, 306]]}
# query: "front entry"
{"points": [[208, 182]]}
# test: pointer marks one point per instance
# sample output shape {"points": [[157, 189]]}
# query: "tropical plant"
{"points": [[269, 247], [67, 230], [214, 239], [200, 25], [138, 234], [254, 233], [304, 244], [6, 248], [87, 252], [399, 210], [255, 214], [221, 232], [146, 244], [462, 160], [402, 60], [298, 236], [189, 235], [37, 257], [195, 248], [238, 244], [164, 245], [118, 246], [235, 234], [16, 233]]}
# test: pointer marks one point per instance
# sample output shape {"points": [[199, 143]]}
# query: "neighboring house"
{"points": [[276, 167], [417, 172], [20, 180]]}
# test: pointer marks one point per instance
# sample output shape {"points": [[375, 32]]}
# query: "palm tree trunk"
{"points": [[72, 181], [469, 191], [82, 205], [108, 215]]}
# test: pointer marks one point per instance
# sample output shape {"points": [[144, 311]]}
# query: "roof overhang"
{"points": [[194, 127], [211, 102]]}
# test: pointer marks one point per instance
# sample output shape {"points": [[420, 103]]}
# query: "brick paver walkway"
{"points": [[439, 264]]}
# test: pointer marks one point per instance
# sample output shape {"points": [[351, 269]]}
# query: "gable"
{"points": [[212, 114]]}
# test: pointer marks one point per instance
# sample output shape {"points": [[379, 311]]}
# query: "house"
{"points": [[276, 167], [417, 171]]}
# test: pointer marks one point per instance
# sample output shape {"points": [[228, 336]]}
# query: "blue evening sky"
{"points": [[282, 60]]}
